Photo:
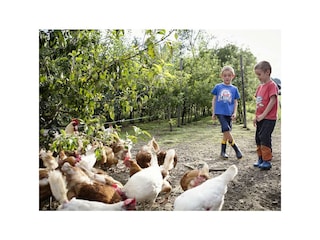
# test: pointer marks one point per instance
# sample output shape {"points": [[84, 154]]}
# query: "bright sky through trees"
{"points": [[265, 44]]}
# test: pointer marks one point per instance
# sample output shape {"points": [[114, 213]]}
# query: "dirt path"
{"points": [[251, 190]]}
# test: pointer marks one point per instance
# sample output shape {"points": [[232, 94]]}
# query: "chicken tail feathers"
{"points": [[58, 186], [169, 160], [230, 173]]}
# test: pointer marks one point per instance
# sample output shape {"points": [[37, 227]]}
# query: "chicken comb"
{"points": [[127, 158], [75, 120]]}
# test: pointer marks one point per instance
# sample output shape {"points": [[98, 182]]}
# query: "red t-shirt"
{"points": [[263, 94]]}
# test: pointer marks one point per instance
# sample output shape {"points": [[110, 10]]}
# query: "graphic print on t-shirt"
{"points": [[259, 101], [225, 96]]}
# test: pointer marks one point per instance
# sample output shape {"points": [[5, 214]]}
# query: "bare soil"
{"points": [[251, 190]]}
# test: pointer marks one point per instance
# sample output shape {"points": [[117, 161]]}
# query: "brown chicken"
{"points": [[44, 187], [143, 157], [108, 158], [132, 165], [71, 157], [59, 191], [195, 177], [121, 148], [81, 186]]}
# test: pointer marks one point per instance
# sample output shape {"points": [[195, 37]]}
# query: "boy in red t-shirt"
{"points": [[266, 114]]}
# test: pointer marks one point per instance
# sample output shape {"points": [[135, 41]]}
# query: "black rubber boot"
{"points": [[237, 150], [223, 153]]}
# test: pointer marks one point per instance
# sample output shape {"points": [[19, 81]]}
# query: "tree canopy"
{"points": [[111, 75]]}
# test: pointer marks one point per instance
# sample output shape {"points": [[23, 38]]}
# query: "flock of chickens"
{"points": [[77, 181]]}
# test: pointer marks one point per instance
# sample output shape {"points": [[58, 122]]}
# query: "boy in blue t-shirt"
{"points": [[224, 107]]}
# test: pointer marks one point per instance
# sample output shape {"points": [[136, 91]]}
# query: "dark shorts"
{"points": [[225, 122], [264, 131]]}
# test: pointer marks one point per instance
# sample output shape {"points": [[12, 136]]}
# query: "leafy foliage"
{"points": [[106, 76]]}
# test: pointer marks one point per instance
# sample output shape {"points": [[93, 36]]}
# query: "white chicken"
{"points": [[49, 161], [169, 163], [207, 196], [72, 127], [86, 205], [146, 184], [89, 158], [59, 191]]}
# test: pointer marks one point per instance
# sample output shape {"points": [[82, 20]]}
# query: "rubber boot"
{"points": [[257, 164], [237, 150], [266, 157], [223, 153], [265, 165]]}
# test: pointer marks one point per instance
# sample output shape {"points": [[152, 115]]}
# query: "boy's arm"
{"points": [[213, 106], [234, 114]]}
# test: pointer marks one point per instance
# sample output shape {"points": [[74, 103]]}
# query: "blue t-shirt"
{"points": [[225, 96]]}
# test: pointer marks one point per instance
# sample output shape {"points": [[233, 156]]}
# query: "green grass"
{"points": [[204, 129]]}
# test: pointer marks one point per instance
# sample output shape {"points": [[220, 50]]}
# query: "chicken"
{"points": [[161, 156], [72, 127], [132, 165], [122, 148], [194, 177], [134, 168], [143, 157], [86, 205], [50, 163], [48, 160], [146, 184], [170, 161], [59, 191], [81, 186], [107, 159], [71, 157], [89, 158], [44, 187], [99, 175], [207, 196]]}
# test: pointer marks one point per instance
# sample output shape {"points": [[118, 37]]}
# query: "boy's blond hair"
{"points": [[227, 68]]}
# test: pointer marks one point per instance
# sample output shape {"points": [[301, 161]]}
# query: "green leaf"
{"points": [[161, 31], [79, 59]]}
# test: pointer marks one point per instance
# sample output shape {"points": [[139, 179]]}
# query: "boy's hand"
{"points": [[254, 122]]}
